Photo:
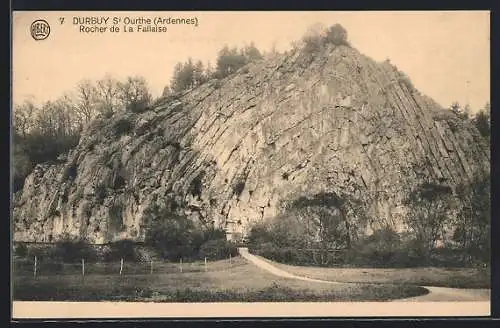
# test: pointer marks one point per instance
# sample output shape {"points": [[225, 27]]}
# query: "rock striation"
{"points": [[230, 151]]}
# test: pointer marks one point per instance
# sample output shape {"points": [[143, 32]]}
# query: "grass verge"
{"points": [[425, 276], [243, 283]]}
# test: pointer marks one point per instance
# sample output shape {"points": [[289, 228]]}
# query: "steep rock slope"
{"points": [[230, 151]]}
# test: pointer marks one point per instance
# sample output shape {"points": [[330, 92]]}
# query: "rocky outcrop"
{"points": [[230, 151]]}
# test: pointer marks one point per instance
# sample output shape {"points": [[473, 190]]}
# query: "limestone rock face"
{"points": [[229, 152]]}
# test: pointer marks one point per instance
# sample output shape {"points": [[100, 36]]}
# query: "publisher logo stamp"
{"points": [[40, 29]]}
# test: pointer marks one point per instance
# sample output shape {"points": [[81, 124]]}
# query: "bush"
{"points": [[122, 126], [318, 36], [121, 249], [100, 193], [138, 106], [259, 235], [70, 172], [385, 248], [312, 43], [337, 35], [21, 250], [69, 249], [217, 249], [405, 80], [239, 187]]}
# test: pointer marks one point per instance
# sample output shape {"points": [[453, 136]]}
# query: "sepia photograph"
{"points": [[250, 164]]}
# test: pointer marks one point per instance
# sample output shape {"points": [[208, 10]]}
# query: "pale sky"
{"points": [[446, 54]]}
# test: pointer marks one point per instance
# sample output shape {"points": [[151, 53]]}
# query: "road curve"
{"points": [[436, 294]]}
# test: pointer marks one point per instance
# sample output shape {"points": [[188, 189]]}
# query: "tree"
{"points": [[108, 95], [337, 35], [134, 93], [251, 52], [183, 75], [199, 76], [87, 94], [42, 133], [209, 71], [482, 121], [166, 91], [466, 112], [462, 113], [229, 61], [473, 224], [313, 39], [259, 234], [325, 217], [428, 206], [456, 108], [169, 232], [23, 117]]}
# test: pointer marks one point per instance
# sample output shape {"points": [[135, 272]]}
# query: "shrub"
{"points": [[385, 248], [69, 249], [138, 106], [119, 182], [196, 186], [312, 43], [376, 249], [122, 127], [318, 36], [259, 235], [288, 255], [217, 249], [405, 80], [100, 193], [238, 188], [70, 172], [121, 249], [337, 35], [107, 114], [482, 121], [214, 234], [21, 250]]}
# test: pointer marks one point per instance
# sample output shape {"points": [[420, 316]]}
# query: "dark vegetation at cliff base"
{"points": [[169, 237], [322, 231]]}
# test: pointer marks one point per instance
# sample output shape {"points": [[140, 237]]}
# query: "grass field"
{"points": [[48, 268], [425, 276], [241, 282]]}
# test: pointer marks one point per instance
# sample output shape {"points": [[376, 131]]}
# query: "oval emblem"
{"points": [[40, 29]]}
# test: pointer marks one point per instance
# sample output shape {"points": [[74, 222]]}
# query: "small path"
{"points": [[436, 294], [276, 271]]}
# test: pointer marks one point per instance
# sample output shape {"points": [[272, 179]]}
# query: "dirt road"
{"points": [[436, 294]]}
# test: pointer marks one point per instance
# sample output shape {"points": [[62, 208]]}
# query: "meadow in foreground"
{"points": [[242, 282]]}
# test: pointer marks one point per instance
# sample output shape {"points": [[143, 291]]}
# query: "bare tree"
{"points": [[134, 93], [107, 90], [23, 117], [87, 100]]}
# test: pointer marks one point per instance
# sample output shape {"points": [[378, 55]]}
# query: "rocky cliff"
{"points": [[230, 151]]}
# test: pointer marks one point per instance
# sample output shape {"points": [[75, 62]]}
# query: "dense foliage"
{"points": [[190, 74], [175, 236], [42, 133]]}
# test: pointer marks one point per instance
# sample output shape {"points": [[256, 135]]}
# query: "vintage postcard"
{"points": [[250, 164]]}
